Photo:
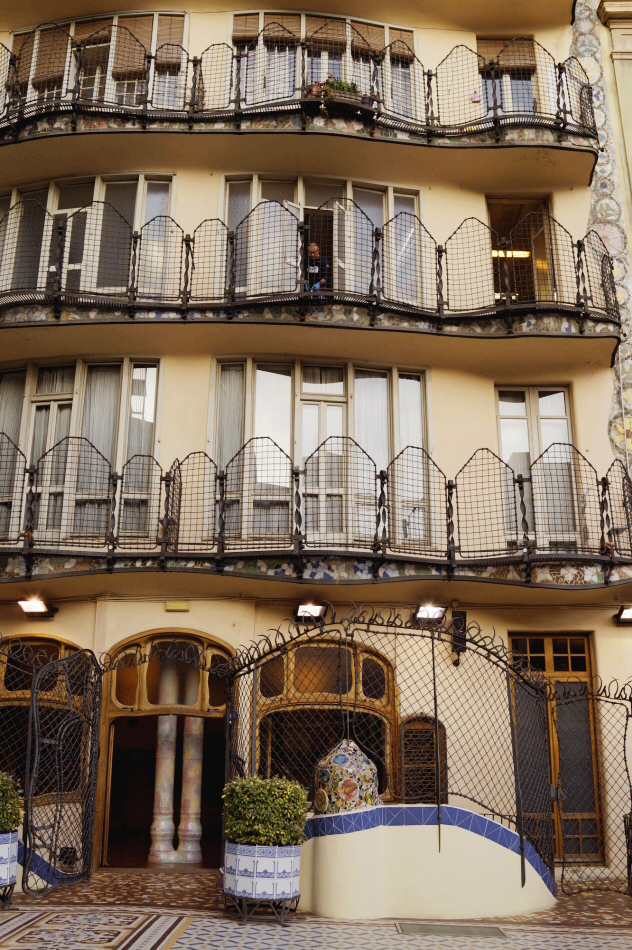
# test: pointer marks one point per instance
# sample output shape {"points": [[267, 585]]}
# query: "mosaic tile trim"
{"points": [[333, 570], [537, 323], [321, 826], [606, 211]]}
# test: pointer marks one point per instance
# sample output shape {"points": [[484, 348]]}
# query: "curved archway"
{"points": [[163, 733]]}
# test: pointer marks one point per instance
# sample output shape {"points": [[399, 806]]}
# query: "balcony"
{"points": [[93, 258], [338, 504], [333, 71]]}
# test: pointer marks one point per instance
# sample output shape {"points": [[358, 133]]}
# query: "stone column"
{"points": [[190, 827], [162, 827]]}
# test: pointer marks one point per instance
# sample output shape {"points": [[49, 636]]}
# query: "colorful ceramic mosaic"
{"points": [[345, 779]]}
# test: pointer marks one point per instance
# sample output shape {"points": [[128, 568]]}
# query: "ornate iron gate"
{"points": [[61, 771]]}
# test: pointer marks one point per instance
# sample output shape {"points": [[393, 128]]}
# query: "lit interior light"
{"points": [[311, 610], [624, 615], [521, 254], [430, 612], [36, 607]]}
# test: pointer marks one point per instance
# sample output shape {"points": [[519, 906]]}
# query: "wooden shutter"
{"points": [[370, 33], [93, 31], [23, 49], [402, 44], [133, 41], [245, 27], [324, 34], [169, 41], [519, 55], [51, 56], [279, 24]]}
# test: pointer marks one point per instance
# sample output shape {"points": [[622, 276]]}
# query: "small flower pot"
{"points": [[8, 864], [261, 873]]}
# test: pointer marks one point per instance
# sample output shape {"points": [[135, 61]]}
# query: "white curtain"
{"points": [[371, 415], [100, 408], [140, 438], [410, 421], [11, 400], [231, 412]]}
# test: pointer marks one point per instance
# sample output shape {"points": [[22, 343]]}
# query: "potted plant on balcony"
{"points": [[264, 821], [11, 812], [337, 94]]}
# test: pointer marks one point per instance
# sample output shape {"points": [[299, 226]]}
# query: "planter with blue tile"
{"points": [[8, 864], [257, 876]]}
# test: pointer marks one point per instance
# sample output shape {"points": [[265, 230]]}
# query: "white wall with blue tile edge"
{"points": [[385, 862]]}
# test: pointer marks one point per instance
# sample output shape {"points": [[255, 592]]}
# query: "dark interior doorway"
{"points": [[132, 790]]}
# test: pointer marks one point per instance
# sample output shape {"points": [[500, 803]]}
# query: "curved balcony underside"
{"points": [[281, 80], [557, 524], [93, 258]]}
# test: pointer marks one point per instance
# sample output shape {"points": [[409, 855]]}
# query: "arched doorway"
{"points": [[163, 744]]}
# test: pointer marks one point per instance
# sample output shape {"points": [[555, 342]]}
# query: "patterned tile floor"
{"points": [[182, 910]]}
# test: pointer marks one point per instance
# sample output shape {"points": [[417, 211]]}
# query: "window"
{"points": [[532, 271], [120, 59], [11, 472], [419, 760], [112, 407], [530, 421], [88, 231], [565, 661], [310, 430], [509, 88]]}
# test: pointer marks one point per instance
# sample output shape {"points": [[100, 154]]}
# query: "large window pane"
{"points": [[410, 420], [100, 408], [371, 415], [11, 401], [140, 438], [273, 403], [323, 380], [55, 379]]}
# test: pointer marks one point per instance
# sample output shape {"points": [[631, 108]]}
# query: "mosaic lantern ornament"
{"points": [[345, 779]]}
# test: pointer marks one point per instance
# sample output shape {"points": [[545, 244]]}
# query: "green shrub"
{"points": [[11, 804], [268, 811]]}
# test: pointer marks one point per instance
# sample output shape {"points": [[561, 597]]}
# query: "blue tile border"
{"points": [[362, 819]]}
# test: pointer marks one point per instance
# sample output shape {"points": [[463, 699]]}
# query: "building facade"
{"points": [[318, 307]]}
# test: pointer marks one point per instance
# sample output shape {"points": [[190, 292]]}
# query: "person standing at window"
{"points": [[316, 269]]}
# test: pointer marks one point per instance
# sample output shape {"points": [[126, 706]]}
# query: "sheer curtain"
{"points": [[100, 408], [11, 401], [231, 412], [371, 415]]}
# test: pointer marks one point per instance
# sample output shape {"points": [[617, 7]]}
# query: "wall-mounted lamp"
{"points": [[310, 611], [459, 634], [624, 615], [35, 608], [430, 612]]}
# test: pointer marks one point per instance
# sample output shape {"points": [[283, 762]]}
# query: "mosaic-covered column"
{"points": [[162, 826], [190, 827]]}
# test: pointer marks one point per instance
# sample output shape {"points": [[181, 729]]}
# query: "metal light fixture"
{"points": [[624, 615], [430, 612], [35, 608], [310, 611]]}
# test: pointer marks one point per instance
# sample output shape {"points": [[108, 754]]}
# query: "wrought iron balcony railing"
{"points": [[337, 503], [334, 67], [93, 257]]}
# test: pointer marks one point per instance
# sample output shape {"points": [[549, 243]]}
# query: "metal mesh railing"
{"points": [[471, 270], [339, 500], [595, 793], [92, 256], [416, 504], [409, 263], [340, 256], [72, 496], [486, 507], [209, 271], [472, 734], [265, 260], [139, 500], [335, 64], [61, 789], [566, 502], [12, 471], [193, 502], [255, 498]]}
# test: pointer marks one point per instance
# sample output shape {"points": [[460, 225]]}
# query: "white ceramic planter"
{"points": [[258, 872], [8, 858]]}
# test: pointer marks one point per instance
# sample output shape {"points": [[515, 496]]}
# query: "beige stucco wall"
{"points": [[399, 872]]}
